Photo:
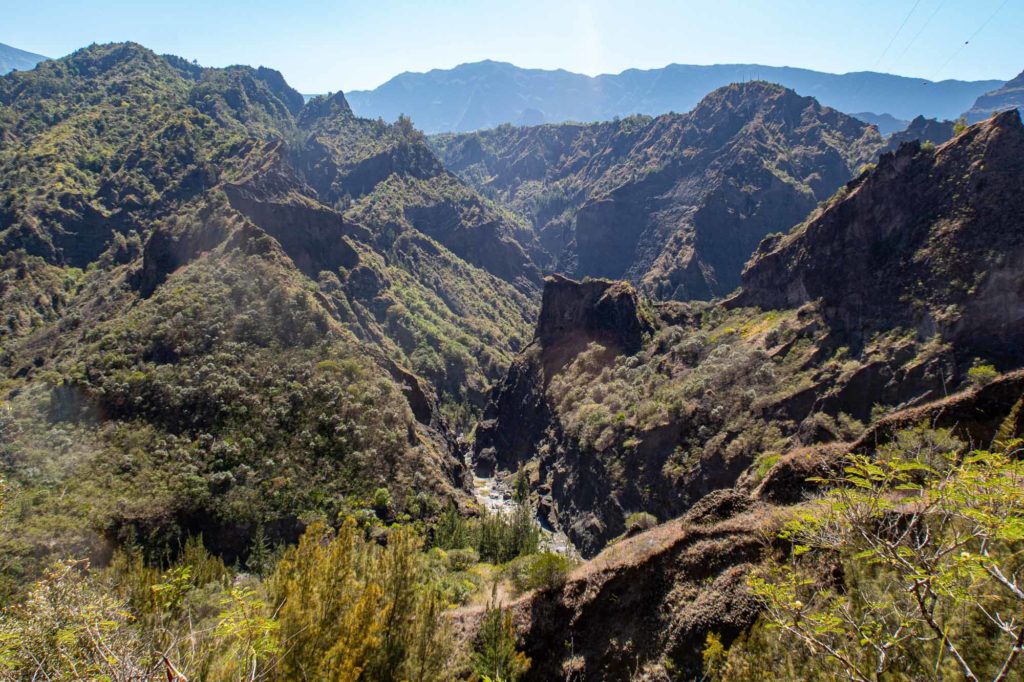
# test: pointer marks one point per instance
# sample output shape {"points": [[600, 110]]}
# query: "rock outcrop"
{"points": [[645, 605], [674, 204], [923, 130], [932, 240], [881, 300], [593, 310], [1009, 96], [573, 315]]}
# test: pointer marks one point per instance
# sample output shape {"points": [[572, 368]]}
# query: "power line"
{"points": [[918, 34], [973, 36], [896, 34]]}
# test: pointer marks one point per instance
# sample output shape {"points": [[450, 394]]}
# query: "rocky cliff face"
{"points": [[578, 313], [1009, 96], [674, 204], [645, 606], [930, 239], [881, 301], [573, 315], [921, 129]]}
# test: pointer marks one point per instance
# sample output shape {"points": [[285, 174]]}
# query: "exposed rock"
{"points": [[278, 202], [718, 506], [519, 396], [930, 240], [923, 130], [592, 310], [975, 415], [572, 315], [1009, 96], [674, 204], [788, 481], [645, 602]]}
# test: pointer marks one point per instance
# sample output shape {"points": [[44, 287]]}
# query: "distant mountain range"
{"points": [[486, 94], [887, 124], [13, 59]]}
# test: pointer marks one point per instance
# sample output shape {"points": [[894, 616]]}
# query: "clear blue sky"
{"points": [[322, 46]]}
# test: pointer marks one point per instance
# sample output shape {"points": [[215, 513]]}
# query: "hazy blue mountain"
{"points": [[486, 94], [887, 124], [1009, 96], [11, 59]]}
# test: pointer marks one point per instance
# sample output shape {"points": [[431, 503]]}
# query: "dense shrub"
{"points": [[543, 571], [639, 522]]}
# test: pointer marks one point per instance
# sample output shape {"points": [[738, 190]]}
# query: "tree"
{"points": [[521, 487], [930, 543], [331, 616], [452, 531], [69, 628], [352, 611], [496, 657], [259, 558], [248, 635]]}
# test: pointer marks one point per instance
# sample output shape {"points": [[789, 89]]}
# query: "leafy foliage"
{"points": [[496, 657], [930, 542]]}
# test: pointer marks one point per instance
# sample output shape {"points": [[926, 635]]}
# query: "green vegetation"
{"points": [[496, 538], [928, 541], [981, 373], [336, 607], [639, 522], [169, 369], [543, 571], [496, 657]]}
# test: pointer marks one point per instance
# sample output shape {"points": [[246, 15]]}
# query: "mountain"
{"points": [[922, 130], [285, 393], [886, 123], [12, 58], [1009, 96], [937, 228], [234, 308], [883, 299], [674, 204], [486, 94]]}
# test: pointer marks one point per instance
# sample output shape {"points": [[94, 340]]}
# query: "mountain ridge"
{"points": [[675, 204], [260, 285], [453, 100], [930, 250], [1009, 96], [11, 58]]}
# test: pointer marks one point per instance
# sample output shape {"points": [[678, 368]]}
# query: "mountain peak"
{"points": [[939, 228], [1009, 96], [324, 106]]}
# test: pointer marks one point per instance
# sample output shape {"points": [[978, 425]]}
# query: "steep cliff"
{"points": [[930, 240], [880, 302], [1009, 96], [675, 204]]}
